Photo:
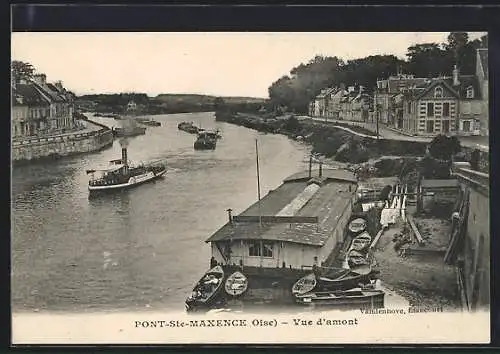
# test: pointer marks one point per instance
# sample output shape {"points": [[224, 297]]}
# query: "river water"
{"points": [[143, 248]]}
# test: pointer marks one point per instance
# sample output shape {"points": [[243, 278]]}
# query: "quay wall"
{"points": [[57, 146]]}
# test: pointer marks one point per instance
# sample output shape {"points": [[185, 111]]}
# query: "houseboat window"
{"points": [[438, 92], [446, 109], [254, 249], [267, 249], [260, 249]]}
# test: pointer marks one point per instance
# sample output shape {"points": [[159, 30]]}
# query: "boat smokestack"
{"points": [[124, 156], [229, 215], [310, 166]]}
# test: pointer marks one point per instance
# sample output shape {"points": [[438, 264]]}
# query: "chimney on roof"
{"points": [[229, 215], [456, 73], [40, 79], [59, 85]]}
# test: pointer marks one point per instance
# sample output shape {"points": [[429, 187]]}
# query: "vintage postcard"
{"points": [[261, 188]]}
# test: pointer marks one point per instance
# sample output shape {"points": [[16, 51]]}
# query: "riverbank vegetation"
{"points": [[163, 103]]}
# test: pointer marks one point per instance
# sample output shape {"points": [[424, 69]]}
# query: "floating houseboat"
{"points": [[295, 226]]}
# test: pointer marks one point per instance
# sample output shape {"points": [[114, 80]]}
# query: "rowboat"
{"points": [[206, 290], [354, 298], [236, 284], [357, 225], [361, 242], [304, 284], [344, 280], [347, 281]]}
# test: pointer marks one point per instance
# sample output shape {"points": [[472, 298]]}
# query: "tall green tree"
{"points": [[21, 70]]}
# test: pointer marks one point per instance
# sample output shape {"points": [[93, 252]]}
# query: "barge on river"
{"points": [[120, 174]]}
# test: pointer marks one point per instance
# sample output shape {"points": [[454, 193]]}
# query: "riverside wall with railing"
{"points": [[30, 149]]}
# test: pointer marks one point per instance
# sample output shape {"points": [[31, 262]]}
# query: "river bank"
{"points": [[340, 143], [92, 138]]}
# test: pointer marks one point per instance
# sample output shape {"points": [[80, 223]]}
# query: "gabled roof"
{"points": [[28, 94], [52, 93], [395, 84], [466, 81], [319, 203], [432, 84]]}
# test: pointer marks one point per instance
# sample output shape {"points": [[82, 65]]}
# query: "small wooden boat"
{"points": [[357, 226], [348, 280], [361, 242], [354, 298], [304, 284], [236, 284], [206, 291]]}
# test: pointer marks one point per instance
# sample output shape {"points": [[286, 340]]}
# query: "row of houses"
{"points": [[456, 105], [41, 108], [352, 103]]}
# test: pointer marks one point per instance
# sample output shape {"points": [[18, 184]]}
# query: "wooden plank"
{"points": [[419, 237], [277, 219], [377, 237]]}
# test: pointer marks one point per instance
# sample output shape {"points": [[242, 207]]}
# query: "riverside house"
{"points": [[297, 225], [41, 108], [386, 92], [430, 109], [30, 111]]}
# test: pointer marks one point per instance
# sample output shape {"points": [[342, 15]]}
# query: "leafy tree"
{"points": [[429, 60], [443, 147], [21, 70]]}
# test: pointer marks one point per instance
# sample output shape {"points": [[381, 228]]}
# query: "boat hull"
{"points": [[197, 304], [236, 284], [132, 182], [205, 145], [349, 282]]}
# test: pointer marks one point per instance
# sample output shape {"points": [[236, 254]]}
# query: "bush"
{"points": [[443, 147]]}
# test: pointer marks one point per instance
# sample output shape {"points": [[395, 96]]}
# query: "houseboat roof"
{"points": [[303, 210]]}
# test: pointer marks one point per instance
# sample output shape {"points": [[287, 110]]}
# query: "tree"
{"points": [[429, 60], [443, 147], [21, 70]]}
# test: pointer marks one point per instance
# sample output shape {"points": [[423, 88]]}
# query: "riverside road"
{"points": [[392, 134]]}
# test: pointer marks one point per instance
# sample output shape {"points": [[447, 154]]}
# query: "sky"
{"points": [[215, 63]]}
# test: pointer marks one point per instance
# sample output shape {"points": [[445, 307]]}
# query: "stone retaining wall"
{"points": [[30, 149]]}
